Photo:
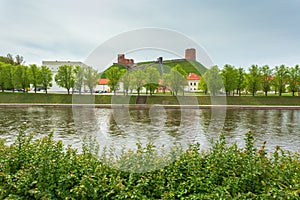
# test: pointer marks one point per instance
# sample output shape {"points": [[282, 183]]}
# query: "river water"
{"points": [[162, 127]]}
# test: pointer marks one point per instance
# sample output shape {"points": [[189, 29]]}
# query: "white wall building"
{"points": [[53, 66], [193, 82]]}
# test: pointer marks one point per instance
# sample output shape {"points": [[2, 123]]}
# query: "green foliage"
{"points": [[46, 169], [34, 76], [280, 78], [45, 77], [114, 75], [294, 79], [266, 79], [253, 79], [213, 80], [139, 79], [152, 78], [91, 77], [65, 77], [176, 79], [229, 76]]}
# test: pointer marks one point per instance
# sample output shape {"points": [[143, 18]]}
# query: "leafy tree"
{"points": [[176, 79], [253, 79], [202, 85], [229, 77], [213, 79], [19, 60], [294, 79], [127, 80], [10, 80], [10, 59], [152, 78], [281, 78], [114, 74], [21, 77], [2, 76], [79, 78], [34, 76], [266, 79], [91, 77], [45, 77], [240, 80], [65, 77], [139, 80]]}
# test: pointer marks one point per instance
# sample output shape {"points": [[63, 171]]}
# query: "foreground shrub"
{"points": [[45, 169]]}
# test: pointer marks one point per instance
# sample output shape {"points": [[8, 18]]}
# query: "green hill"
{"points": [[190, 66]]}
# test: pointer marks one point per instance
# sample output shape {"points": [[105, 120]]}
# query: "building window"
{"points": [[191, 83], [195, 84]]}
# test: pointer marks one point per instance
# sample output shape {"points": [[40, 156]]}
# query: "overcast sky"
{"points": [[238, 32]]}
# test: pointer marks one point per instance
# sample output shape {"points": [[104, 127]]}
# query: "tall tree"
{"points": [[266, 79], [294, 79], [65, 77], [45, 77], [202, 85], [34, 76], [19, 60], [229, 77], [79, 78], [280, 78], [152, 78], [253, 79], [139, 79], [21, 77], [127, 80], [10, 80], [176, 79], [2, 76], [91, 77], [240, 80], [114, 74], [213, 79]]}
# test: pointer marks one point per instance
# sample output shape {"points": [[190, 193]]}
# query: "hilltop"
{"points": [[189, 66]]}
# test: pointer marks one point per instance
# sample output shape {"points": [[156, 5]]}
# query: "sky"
{"points": [[237, 32]]}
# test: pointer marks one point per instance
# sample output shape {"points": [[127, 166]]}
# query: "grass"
{"points": [[46, 169], [10, 97]]}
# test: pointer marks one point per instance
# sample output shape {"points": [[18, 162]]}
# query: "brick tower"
{"points": [[190, 54]]}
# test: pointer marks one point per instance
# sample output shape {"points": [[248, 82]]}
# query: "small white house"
{"points": [[193, 82]]}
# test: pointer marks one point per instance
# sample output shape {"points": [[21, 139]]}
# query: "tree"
{"points": [[21, 77], [10, 80], [114, 74], [45, 77], [2, 76], [213, 80], [240, 80], [253, 79], [65, 77], [127, 80], [229, 77], [280, 78], [34, 76], [266, 79], [79, 78], [139, 79], [176, 79], [19, 60], [91, 77], [152, 78], [202, 85], [294, 79]]}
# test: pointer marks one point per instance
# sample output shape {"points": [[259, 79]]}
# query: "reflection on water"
{"points": [[163, 127]]}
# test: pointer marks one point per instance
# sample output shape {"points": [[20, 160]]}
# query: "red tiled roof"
{"points": [[103, 81], [193, 76]]}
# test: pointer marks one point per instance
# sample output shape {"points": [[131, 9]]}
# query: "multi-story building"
{"points": [[53, 66]]}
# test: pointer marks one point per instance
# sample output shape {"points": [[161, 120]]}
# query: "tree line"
{"points": [[149, 78], [233, 80]]}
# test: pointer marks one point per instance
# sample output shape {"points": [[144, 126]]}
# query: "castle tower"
{"points": [[190, 54]]}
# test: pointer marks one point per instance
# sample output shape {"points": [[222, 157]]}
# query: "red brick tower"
{"points": [[190, 54]]}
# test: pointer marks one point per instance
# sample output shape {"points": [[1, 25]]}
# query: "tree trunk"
{"points": [[68, 91], [266, 93], [46, 90]]}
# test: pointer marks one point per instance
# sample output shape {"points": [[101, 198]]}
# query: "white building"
{"points": [[193, 82], [53, 66]]}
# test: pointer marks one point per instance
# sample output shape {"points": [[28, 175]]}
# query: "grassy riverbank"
{"points": [[166, 100], [45, 169]]}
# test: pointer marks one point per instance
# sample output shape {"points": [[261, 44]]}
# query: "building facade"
{"points": [[53, 66]]}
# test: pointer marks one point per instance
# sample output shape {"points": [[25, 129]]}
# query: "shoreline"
{"points": [[148, 106]]}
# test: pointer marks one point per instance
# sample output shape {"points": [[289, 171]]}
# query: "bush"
{"points": [[46, 169]]}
